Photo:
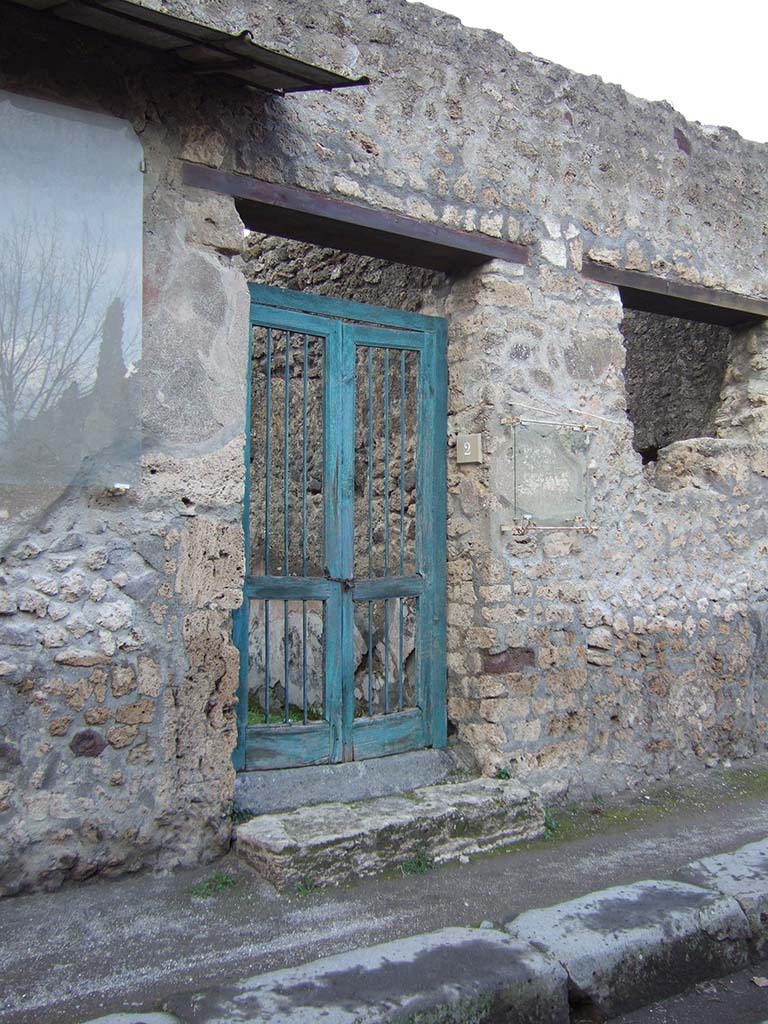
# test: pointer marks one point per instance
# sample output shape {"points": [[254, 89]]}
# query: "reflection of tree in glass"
{"points": [[51, 315], [69, 406]]}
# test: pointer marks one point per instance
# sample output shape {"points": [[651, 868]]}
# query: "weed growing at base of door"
{"points": [[238, 814], [219, 882]]}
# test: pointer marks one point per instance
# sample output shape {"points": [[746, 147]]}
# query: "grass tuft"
{"points": [[240, 814], [218, 883], [306, 887], [419, 864], [551, 824]]}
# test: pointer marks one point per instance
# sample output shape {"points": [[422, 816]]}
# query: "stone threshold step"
{"points": [[332, 843]]}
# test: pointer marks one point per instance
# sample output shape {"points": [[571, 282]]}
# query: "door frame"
{"points": [[359, 318]]}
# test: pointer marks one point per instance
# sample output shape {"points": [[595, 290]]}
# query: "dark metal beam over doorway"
{"points": [[310, 217]]}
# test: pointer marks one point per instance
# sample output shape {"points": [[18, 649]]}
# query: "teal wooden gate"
{"points": [[342, 629]]}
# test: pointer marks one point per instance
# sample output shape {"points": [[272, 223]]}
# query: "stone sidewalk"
{"points": [[155, 945], [603, 954]]}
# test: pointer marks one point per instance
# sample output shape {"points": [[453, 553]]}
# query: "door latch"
{"points": [[346, 583]]}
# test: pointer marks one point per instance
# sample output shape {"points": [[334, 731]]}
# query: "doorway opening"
{"points": [[342, 629]]}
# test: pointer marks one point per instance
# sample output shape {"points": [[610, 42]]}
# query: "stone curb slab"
{"points": [[742, 874], [451, 976], [135, 1018], [630, 945], [331, 843]]}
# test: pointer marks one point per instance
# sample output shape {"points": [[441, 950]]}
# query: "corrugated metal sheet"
{"points": [[197, 48]]}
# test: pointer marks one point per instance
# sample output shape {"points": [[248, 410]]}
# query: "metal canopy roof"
{"points": [[197, 48]]}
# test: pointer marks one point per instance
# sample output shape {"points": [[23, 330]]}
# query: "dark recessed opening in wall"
{"points": [[673, 376], [303, 266], [676, 336]]}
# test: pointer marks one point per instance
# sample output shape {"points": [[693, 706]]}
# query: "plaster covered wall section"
{"points": [[118, 676]]}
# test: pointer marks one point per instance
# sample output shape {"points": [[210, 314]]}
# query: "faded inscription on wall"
{"points": [[550, 481]]}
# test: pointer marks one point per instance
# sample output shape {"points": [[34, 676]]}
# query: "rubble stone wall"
{"points": [[580, 659]]}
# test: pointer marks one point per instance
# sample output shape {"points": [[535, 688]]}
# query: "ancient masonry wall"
{"points": [[117, 673], [583, 660]]}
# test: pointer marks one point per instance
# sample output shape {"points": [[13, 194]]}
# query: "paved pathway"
{"points": [[109, 946]]}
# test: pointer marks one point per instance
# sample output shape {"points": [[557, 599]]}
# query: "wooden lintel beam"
{"points": [[296, 213], [678, 298]]}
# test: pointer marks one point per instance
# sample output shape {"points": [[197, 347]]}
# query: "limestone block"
{"points": [[58, 611], [630, 945], [212, 480], [97, 716], [213, 222], [743, 876], [6, 788], [554, 251], [115, 615], [138, 713], [96, 558], [149, 678], [457, 974], [120, 736], [211, 566], [123, 680], [331, 843], [78, 625], [72, 586], [82, 658], [60, 726]]}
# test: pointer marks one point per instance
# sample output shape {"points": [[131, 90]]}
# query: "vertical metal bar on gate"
{"points": [[267, 495], [370, 526], [402, 525], [286, 428], [386, 527], [304, 529]]}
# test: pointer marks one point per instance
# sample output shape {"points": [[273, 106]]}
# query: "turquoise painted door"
{"points": [[342, 629]]}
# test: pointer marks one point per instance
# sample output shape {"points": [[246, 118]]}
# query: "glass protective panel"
{"points": [[550, 474], [70, 301]]}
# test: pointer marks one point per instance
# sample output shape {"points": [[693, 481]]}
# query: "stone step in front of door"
{"points": [[328, 844]]}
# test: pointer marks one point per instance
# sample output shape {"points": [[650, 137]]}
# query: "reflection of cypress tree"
{"points": [[110, 370], [108, 414]]}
